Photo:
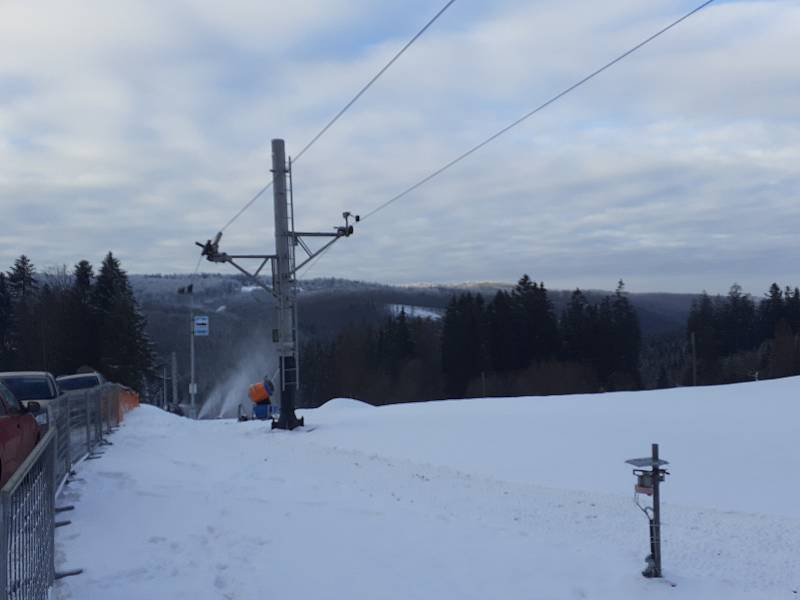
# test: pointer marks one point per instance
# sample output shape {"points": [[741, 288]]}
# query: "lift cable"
{"points": [[345, 108], [558, 96], [374, 79]]}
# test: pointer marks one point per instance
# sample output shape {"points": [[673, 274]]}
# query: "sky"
{"points": [[141, 127]]}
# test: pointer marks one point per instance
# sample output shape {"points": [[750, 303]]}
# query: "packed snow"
{"points": [[486, 498]]}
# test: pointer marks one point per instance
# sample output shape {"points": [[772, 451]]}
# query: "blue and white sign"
{"points": [[201, 326]]}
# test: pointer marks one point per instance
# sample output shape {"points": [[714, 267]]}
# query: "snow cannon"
{"points": [[648, 482], [260, 396], [258, 393]]}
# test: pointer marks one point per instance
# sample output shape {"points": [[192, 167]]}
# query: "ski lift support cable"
{"points": [[346, 107], [526, 116]]}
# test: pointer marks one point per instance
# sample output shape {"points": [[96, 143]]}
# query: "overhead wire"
{"points": [[346, 107], [529, 114]]}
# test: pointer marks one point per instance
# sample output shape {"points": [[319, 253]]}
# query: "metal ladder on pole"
{"points": [[292, 372]]}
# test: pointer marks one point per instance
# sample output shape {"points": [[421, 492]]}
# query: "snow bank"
{"points": [[492, 498], [729, 447]]}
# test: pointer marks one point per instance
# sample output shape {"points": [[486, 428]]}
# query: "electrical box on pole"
{"points": [[284, 277]]}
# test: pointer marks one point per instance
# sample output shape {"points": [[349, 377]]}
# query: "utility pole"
{"points": [[284, 278], [164, 386], [192, 382], [283, 286], [174, 378]]}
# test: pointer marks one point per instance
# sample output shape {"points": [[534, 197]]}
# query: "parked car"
{"points": [[28, 386], [81, 381], [19, 432]]}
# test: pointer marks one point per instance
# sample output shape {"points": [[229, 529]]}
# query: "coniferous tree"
{"points": [[22, 283], [502, 335], [535, 322], [462, 343], [83, 322], [703, 322], [627, 333], [738, 329], [577, 328], [25, 330], [792, 308], [6, 325], [770, 311], [125, 353]]}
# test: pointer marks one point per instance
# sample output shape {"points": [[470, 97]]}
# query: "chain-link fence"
{"points": [[76, 425]]}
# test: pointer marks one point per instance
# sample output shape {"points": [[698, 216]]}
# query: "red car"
{"points": [[19, 432]]}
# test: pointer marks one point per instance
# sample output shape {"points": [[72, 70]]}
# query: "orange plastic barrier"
{"points": [[128, 400]]}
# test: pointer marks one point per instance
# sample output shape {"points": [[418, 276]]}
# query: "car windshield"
{"points": [[27, 387], [78, 383], [11, 401]]}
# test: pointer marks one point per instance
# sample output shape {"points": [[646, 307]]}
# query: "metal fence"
{"points": [[27, 538], [76, 425], [83, 418]]}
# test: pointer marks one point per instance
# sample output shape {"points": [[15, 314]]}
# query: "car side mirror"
{"points": [[34, 407]]}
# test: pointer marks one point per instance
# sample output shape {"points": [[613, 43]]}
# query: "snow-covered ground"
{"points": [[491, 498]]}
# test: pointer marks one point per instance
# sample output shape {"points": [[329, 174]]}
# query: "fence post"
{"points": [[52, 456], [88, 423], [98, 419], [68, 421], [5, 532]]}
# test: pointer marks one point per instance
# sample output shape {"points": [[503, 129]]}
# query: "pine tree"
{"points": [[83, 322], [627, 333], [771, 310], [535, 321], [576, 328], [125, 352], [463, 348], [22, 282], [737, 322], [25, 344], [792, 308], [502, 335], [6, 325]]}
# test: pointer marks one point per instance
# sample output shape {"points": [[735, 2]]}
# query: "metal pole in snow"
{"points": [[284, 286], [192, 384], [174, 378], [656, 524]]}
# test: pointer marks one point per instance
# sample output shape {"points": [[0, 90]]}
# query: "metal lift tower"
{"points": [[284, 280]]}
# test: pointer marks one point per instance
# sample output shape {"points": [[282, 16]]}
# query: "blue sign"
{"points": [[201, 326]]}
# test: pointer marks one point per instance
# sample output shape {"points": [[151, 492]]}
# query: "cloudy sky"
{"points": [[142, 126]]}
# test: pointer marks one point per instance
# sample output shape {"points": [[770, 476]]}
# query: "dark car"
{"points": [[81, 381], [19, 432]]}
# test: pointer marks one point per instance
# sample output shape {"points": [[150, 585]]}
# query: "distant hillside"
{"points": [[659, 313]]}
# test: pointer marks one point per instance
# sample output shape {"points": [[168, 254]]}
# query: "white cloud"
{"points": [[143, 126]]}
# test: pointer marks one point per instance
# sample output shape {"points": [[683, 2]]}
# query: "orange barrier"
{"points": [[128, 400]]}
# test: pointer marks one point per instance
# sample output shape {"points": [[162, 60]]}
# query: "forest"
{"points": [[516, 343], [74, 320], [516, 340]]}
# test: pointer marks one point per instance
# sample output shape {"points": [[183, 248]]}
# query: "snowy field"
{"points": [[497, 498]]}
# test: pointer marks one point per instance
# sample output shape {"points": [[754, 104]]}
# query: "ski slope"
{"points": [[487, 498]]}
